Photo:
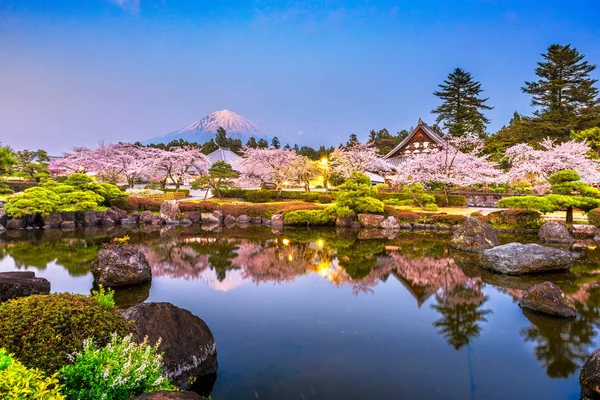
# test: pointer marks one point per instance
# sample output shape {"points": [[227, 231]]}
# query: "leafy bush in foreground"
{"points": [[35, 200], [120, 370], [594, 217], [309, 217], [19, 382], [43, 330]]}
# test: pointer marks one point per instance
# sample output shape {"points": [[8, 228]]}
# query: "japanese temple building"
{"points": [[422, 139]]}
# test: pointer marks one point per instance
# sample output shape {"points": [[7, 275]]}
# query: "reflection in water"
{"points": [[452, 283]]}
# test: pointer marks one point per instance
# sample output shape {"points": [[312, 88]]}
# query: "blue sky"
{"points": [[74, 72]]}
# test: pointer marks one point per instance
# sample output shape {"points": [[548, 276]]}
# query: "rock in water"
{"points": [[370, 220], [589, 378], [121, 266], [169, 210], [474, 235], [389, 223], [555, 232], [547, 298], [188, 344], [583, 230], [21, 284], [517, 258], [168, 396]]}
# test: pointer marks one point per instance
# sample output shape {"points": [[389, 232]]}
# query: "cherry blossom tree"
{"points": [[457, 163], [536, 166], [359, 157], [267, 165], [303, 170], [177, 164]]}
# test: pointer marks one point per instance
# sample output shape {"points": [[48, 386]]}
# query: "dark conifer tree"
{"points": [[262, 144], [275, 143], [461, 111], [252, 143], [221, 138]]}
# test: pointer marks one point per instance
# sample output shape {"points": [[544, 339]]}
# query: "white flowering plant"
{"points": [[144, 192], [119, 371]]}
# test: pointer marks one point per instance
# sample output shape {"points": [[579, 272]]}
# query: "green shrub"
{"points": [[594, 217], [112, 192], [541, 204], [455, 200], [258, 196], [368, 205], [563, 176], [516, 218], [325, 199], [35, 200], [393, 196], [431, 207], [403, 216], [309, 217], [43, 330], [79, 201], [233, 192], [4, 188], [19, 382], [119, 371], [340, 211], [106, 297], [310, 197]]}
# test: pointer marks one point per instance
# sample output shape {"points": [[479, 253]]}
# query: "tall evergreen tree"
{"points": [[461, 111], [275, 143], [352, 140], [221, 137], [564, 86], [262, 144], [252, 143]]}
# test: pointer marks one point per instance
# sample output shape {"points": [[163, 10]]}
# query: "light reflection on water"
{"points": [[339, 314]]}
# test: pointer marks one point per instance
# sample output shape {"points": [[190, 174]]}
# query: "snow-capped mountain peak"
{"points": [[235, 125]]}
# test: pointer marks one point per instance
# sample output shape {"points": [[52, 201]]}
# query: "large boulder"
{"points": [[555, 232], [194, 216], [229, 220], [86, 218], [589, 378], [370, 220], [277, 220], [68, 225], [547, 298], [116, 214], [211, 218], [52, 220], [517, 258], [188, 344], [15, 223], [474, 235], [146, 217], [169, 210], [389, 223], [583, 230], [21, 284], [242, 220], [169, 396], [121, 266]]}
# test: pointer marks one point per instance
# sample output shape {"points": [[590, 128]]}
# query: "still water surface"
{"points": [[326, 314]]}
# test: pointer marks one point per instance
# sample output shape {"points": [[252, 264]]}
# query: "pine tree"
{"points": [[275, 143], [221, 137], [352, 140], [564, 88], [262, 144], [461, 111], [252, 143]]}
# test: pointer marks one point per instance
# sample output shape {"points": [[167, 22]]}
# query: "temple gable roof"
{"points": [[422, 129]]}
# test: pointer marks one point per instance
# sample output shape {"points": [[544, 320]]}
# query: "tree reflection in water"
{"points": [[423, 263]]}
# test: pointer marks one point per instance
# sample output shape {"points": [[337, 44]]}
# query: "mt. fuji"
{"points": [[236, 126]]}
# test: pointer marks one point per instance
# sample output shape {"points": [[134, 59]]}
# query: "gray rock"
{"points": [[370, 220], [146, 217], [517, 258], [172, 222], [21, 284], [128, 221], [547, 298], [589, 378], [116, 214], [53, 220], [68, 225], [186, 221], [194, 216], [242, 220], [68, 216], [15, 223], [277, 220], [389, 223], [211, 218], [169, 209], [106, 221], [121, 266], [474, 235], [256, 221], [87, 218], [2, 228], [555, 232], [229, 220], [188, 344], [405, 226], [583, 230]]}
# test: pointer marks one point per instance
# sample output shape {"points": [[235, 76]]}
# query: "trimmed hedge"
{"points": [[454, 200], [325, 199], [42, 331], [186, 192], [265, 210], [264, 196], [258, 196], [516, 218], [309, 217], [594, 217]]}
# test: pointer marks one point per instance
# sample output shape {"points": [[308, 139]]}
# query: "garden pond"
{"points": [[342, 314]]}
